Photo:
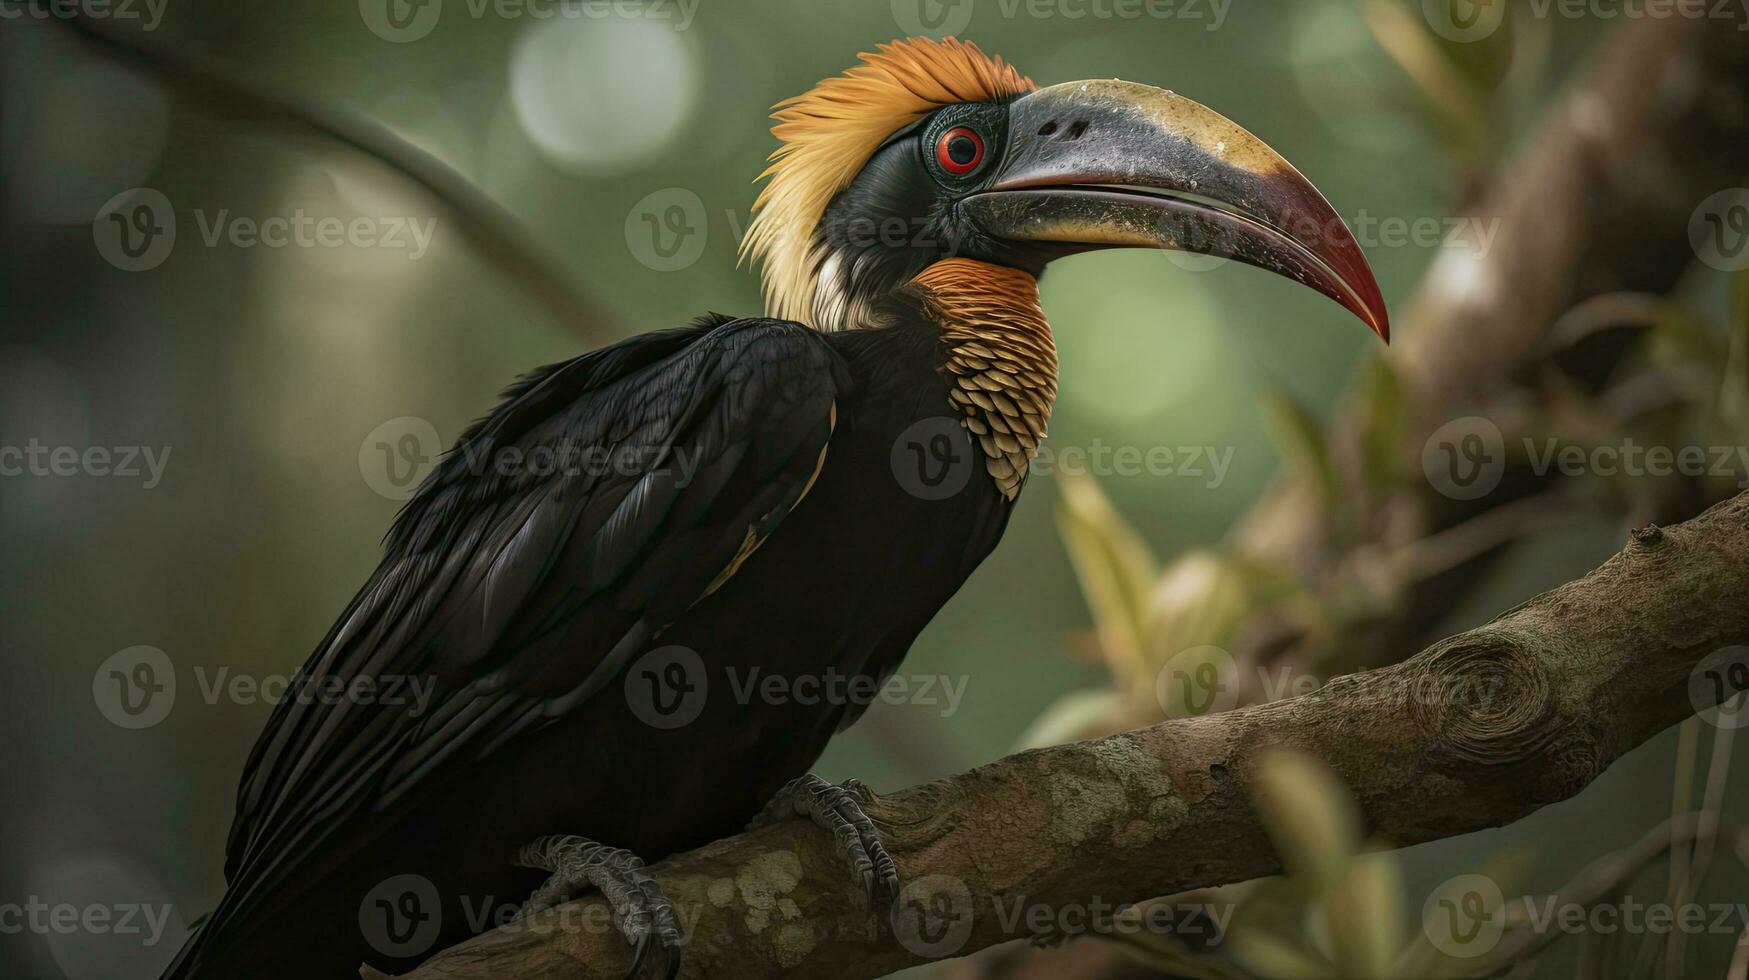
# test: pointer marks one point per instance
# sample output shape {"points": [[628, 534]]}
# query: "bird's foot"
{"points": [[839, 809], [646, 917]]}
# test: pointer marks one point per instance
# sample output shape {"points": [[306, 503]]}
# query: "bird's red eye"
{"points": [[959, 151]]}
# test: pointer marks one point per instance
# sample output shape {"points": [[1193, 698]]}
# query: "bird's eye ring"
{"points": [[959, 151]]}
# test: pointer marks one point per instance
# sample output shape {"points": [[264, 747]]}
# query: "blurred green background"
{"points": [[262, 371]]}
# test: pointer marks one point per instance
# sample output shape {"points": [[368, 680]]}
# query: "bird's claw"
{"points": [[670, 957], [839, 810], [646, 917]]}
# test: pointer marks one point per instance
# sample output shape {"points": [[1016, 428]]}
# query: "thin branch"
{"points": [[1699, 860], [1455, 546], [1610, 875], [501, 238], [1473, 732]]}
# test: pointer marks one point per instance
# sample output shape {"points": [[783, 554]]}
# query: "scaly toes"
{"points": [[868, 857], [649, 922], [839, 811], [645, 916]]}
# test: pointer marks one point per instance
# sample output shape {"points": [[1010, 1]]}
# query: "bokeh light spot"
{"points": [[603, 96]]}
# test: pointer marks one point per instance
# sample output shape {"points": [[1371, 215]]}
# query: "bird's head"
{"points": [[931, 150]]}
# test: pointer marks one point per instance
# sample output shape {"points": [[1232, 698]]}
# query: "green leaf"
{"points": [[1278, 956], [1310, 817], [1301, 440], [1114, 567], [1455, 81], [1075, 716], [1424, 958], [1365, 918], [1200, 600], [1381, 436]]}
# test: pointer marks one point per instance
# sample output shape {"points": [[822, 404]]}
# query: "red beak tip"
{"points": [[1373, 314]]}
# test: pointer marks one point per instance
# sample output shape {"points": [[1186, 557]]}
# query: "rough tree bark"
{"points": [[1473, 732]]}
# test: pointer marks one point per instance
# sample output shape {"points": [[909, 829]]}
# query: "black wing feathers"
{"points": [[521, 585]]}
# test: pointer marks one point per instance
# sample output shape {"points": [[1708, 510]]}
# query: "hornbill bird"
{"points": [[785, 496]]}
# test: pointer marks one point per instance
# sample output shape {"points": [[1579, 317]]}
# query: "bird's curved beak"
{"points": [[1111, 163]]}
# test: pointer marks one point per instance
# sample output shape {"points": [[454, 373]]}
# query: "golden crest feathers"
{"points": [[828, 133]]}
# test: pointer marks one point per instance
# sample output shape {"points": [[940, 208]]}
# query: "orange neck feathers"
{"points": [[1000, 357]]}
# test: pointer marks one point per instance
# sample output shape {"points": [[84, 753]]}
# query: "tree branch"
{"points": [[501, 238], [1473, 732], [1592, 215], [1611, 875]]}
